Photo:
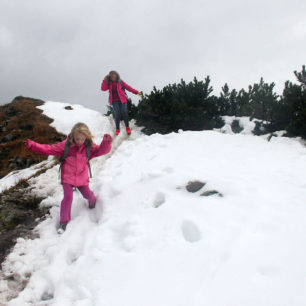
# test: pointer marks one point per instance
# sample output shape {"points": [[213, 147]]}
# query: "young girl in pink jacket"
{"points": [[117, 98], [75, 167]]}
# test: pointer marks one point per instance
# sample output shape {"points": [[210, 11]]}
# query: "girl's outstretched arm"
{"points": [[131, 89], [56, 149], [103, 148]]}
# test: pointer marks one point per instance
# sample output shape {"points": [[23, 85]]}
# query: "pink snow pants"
{"points": [[68, 197]]}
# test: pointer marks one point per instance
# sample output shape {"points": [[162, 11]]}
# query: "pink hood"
{"points": [[75, 168]]}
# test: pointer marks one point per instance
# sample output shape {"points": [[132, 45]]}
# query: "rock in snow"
{"points": [[209, 193], [150, 243], [194, 186]]}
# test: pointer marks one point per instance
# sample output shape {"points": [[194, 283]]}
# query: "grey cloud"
{"points": [[60, 50]]}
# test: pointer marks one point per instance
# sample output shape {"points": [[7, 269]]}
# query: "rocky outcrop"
{"points": [[19, 207], [20, 120], [20, 163], [19, 214]]}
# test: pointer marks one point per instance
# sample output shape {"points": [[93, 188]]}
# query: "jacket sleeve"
{"points": [[56, 149], [102, 149], [105, 85], [131, 89]]}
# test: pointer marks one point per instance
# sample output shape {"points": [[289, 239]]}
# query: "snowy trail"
{"points": [[150, 242], [48, 186]]}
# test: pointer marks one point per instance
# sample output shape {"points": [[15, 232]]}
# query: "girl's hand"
{"points": [[27, 145], [107, 138]]}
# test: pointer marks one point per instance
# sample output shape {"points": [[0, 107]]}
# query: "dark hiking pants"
{"points": [[120, 109]]}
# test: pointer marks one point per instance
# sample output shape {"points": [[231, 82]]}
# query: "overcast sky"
{"points": [[61, 49]]}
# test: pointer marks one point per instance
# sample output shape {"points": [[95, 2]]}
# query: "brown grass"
{"points": [[24, 121]]}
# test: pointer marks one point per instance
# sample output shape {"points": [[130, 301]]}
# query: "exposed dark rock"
{"points": [[4, 153], [68, 107], [12, 166], [59, 138], [29, 162], [21, 120], [12, 111], [27, 126], [11, 218], [20, 163], [47, 296], [209, 193], [194, 186], [8, 137], [19, 214]]}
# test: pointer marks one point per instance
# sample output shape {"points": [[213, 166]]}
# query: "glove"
{"points": [[27, 144], [107, 138], [140, 94]]}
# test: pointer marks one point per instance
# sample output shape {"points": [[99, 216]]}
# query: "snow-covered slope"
{"points": [[150, 242], [64, 119], [14, 177]]}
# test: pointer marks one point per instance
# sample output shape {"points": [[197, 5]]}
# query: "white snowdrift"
{"points": [[14, 177], [247, 248], [65, 119], [247, 125]]}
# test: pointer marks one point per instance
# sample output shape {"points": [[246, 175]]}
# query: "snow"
{"points": [[65, 119], [245, 123], [14, 177], [150, 242]]}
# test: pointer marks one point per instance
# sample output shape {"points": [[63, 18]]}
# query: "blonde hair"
{"points": [[83, 129], [108, 79]]}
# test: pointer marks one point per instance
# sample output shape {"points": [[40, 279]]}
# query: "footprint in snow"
{"points": [[151, 175], [268, 270], [168, 170], [159, 199], [225, 256], [73, 256], [124, 235], [155, 174], [95, 214], [114, 192], [266, 228], [47, 296], [190, 231]]}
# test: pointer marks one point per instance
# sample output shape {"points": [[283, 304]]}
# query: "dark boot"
{"points": [[62, 228], [91, 206]]}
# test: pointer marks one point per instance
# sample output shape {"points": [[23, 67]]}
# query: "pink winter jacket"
{"points": [[105, 86], [75, 168]]}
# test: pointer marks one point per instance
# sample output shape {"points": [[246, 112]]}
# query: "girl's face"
{"points": [[113, 77], [79, 138]]}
